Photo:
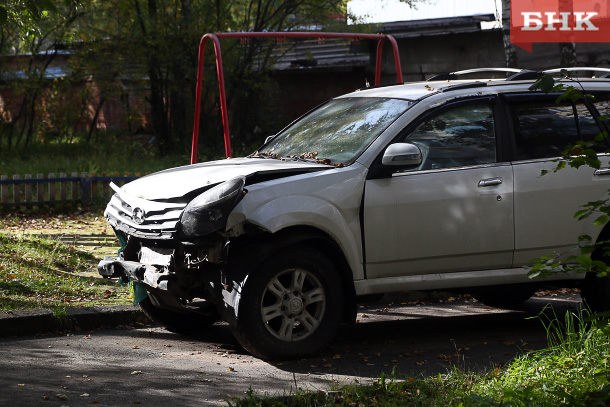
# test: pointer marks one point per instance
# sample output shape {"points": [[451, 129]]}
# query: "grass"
{"points": [[572, 371], [107, 156], [37, 272]]}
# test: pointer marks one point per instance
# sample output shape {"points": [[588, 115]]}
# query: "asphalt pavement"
{"points": [[132, 363]]}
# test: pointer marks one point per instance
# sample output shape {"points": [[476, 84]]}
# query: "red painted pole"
{"points": [[221, 84], [223, 98]]}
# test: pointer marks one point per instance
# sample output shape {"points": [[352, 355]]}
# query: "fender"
{"points": [[328, 201]]}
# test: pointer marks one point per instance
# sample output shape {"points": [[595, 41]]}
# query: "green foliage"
{"points": [[25, 13], [133, 155], [37, 272], [572, 371], [126, 50]]}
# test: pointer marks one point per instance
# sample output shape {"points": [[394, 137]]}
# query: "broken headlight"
{"points": [[208, 212]]}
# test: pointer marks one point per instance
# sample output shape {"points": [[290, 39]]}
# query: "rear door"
{"points": [[545, 204], [452, 213]]}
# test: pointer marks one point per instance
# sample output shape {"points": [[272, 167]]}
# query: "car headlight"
{"points": [[208, 212]]}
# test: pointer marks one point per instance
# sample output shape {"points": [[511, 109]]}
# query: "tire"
{"points": [[291, 306], [595, 292], [178, 322], [506, 296]]}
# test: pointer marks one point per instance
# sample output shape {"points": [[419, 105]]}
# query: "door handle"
{"points": [[602, 171], [487, 182]]}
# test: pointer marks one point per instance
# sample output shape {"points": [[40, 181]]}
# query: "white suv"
{"points": [[420, 186]]}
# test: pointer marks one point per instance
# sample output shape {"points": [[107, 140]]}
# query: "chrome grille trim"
{"points": [[161, 218]]}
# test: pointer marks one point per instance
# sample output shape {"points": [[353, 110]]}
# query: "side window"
{"points": [[602, 104], [543, 129], [458, 137]]}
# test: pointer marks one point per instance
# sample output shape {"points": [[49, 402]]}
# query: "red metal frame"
{"points": [[281, 36]]}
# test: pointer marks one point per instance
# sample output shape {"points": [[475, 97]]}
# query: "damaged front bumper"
{"points": [[182, 291], [157, 277]]}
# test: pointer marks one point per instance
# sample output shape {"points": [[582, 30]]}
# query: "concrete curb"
{"points": [[31, 322]]}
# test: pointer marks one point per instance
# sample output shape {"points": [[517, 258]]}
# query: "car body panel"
{"points": [[545, 206], [327, 200], [432, 221], [177, 182]]}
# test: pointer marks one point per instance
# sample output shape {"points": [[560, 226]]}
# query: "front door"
{"points": [[454, 212]]}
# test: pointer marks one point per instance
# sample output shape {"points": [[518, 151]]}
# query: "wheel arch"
{"points": [[604, 235], [248, 252]]}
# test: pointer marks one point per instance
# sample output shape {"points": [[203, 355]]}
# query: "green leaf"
{"points": [[3, 15], [601, 220], [571, 93], [545, 83], [581, 213], [560, 166], [533, 273]]}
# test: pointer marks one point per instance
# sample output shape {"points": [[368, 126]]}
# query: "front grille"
{"points": [[143, 218]]}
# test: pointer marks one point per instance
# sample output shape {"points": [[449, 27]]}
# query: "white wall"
{"points": [[381, 11]]}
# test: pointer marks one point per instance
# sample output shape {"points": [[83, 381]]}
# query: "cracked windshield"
{"points": [[337, 132]]}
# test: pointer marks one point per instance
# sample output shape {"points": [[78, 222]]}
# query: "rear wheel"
{"points": [[291, 306], [594, 290], [185, 323], [505, 296]]}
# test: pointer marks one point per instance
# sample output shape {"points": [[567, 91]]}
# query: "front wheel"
{"points": [[291, 306]]}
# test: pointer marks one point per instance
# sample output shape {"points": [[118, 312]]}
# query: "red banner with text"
{"points": [[558, 21]]}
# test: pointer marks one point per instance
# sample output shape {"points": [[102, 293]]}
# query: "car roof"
{"points": [[518, 81]]}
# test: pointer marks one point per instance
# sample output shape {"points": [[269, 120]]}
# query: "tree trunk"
{"points": [[157, 104], [510, 51], [567, 50]]}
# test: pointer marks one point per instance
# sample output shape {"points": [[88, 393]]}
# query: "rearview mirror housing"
{"points": [[402, 155]]}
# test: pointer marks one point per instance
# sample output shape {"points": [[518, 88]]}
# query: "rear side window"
{"points": [[602, 104], [543, 128]]}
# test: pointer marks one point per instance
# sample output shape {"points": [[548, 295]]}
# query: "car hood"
{"points": [[180, 181]]}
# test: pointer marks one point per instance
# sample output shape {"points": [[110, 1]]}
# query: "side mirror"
{"points": [[402, 154]]}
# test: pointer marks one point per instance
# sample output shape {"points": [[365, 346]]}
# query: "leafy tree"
{"points": [[158, 39], [26, 14], [31, 32]]}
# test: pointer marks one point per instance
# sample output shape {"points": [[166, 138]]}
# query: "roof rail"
{"points": [[524, 75], [579, 69], [454, 75]]}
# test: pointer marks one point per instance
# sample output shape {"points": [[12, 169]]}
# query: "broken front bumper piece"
{"points": [[153, 276]]}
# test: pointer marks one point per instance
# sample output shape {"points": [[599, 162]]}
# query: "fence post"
{"points": [[4, 189], [105, 187], [40, 188], [28, 189], [85, 189], [74, 188], [93, 187], [52, 198], [16, 190], [62, 188]]}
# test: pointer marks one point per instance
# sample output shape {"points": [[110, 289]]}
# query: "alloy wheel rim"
{"points": [[293, 305]]}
